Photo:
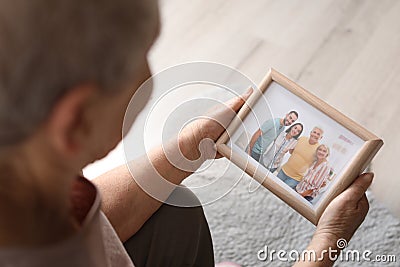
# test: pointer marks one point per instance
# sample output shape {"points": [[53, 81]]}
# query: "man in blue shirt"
{"points": [[267, 133]]}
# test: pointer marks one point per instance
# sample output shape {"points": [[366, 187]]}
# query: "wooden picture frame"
{"points": [[362, 144]]}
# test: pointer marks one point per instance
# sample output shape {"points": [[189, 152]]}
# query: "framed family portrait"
{"points": [[297, 146]]}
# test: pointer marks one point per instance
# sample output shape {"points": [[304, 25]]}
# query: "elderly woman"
{"points": [[68, 72], [316, 176]]}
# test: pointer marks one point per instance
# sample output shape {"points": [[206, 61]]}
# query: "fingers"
{"points": [[248, 93], [359, 186], [237, 102], [362, 183], [363, 205]]}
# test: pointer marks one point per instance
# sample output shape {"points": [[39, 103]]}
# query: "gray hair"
{"points": [[50, 46], [319, 128]]}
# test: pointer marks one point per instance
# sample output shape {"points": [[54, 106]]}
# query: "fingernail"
{"points": [[249, 91], [369, 176]]}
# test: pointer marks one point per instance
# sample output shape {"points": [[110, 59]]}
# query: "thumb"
{"points": [[237, 102], [357, 189]]}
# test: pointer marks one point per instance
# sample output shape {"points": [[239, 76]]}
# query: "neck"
{"points": [[34, 200], [281, 121], [312, 142]]}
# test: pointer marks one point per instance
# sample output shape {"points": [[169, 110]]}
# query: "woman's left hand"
{"points": [[198, 138]]}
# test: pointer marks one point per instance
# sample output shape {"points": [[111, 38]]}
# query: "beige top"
{"points": [[95, 244]]}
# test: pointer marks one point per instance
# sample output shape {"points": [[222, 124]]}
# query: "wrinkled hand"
{"points": [[340, 219], [198, 138], [346, 212]]}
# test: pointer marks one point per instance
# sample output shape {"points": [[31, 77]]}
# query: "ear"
{"points": [[67, 121]]}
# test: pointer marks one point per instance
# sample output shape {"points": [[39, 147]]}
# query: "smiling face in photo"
{"points": [[322, 152], [289, 119], [316, 135], [295, 130]]}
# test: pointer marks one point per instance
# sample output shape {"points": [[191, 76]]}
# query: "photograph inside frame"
{"points": [[296, 145]]}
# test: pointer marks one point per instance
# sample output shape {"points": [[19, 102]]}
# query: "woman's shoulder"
{"points": [[325, 165]]}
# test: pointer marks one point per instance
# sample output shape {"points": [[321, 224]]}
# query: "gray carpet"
{"points": [[242, 223]]}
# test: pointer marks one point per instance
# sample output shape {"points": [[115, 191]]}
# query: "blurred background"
{"points": [[346, 52]]}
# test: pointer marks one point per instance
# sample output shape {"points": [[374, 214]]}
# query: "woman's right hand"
{"points": [[340, 220], [346, 212]]}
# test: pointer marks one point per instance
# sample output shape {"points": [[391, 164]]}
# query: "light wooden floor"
{"points": [[345, 52]]}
